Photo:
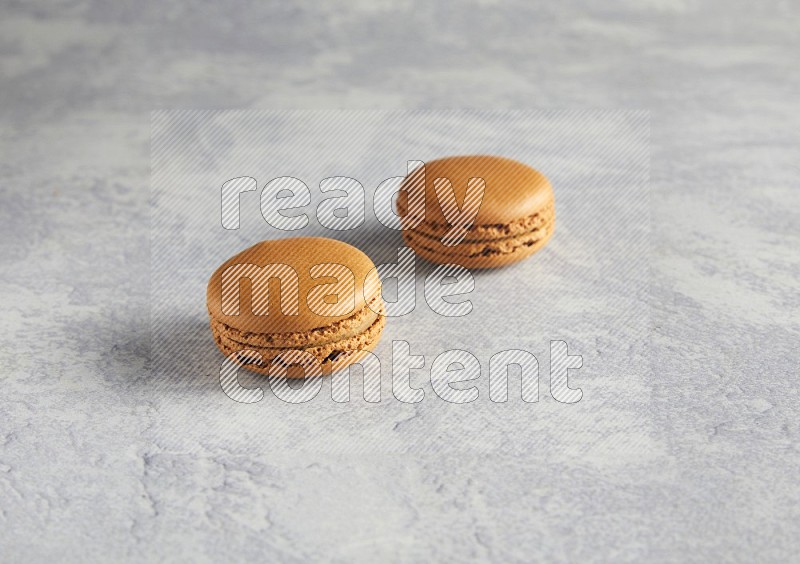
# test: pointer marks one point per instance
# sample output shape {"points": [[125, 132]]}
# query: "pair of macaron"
{"points": [[310, 305]]}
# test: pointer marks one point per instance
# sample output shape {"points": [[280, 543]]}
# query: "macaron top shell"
{"points": [[513, 190], [321, 278]]}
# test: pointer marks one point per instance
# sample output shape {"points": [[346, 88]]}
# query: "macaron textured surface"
{"points": [[311, 294], [516, 217]]}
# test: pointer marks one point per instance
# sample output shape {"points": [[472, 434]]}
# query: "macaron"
{"points": [[304, 306], [515, 217]]}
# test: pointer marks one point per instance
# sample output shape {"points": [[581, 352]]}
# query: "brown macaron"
{"points": [[305, 306], [515, 219]]}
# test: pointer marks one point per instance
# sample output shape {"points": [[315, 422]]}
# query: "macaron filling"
{"points": [[486, 240], [329, 344], [490, 231]]}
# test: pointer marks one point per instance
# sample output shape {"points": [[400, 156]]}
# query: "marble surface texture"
{"points": [[697, 462]]}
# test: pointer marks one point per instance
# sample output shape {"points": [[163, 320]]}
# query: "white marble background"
{"points": [[89, 470]]}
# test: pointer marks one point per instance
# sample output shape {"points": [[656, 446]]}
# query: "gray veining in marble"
{"points": [[95, 467]]}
